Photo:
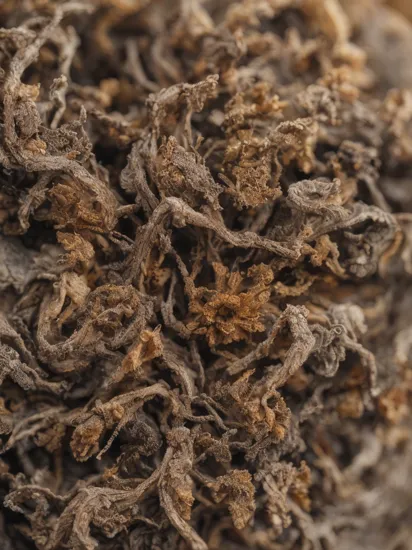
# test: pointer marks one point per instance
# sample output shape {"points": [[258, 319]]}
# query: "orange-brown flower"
{"points": [[233, 310]]}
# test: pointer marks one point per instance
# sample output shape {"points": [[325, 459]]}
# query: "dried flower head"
{"points": [[232, 311]]}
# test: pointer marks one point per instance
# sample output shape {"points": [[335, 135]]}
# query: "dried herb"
{"points": [[205, 262]]}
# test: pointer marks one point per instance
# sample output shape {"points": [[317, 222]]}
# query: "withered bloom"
{"points": [[231, 311]]}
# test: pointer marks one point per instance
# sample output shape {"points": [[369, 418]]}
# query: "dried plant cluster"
{"points": [[205, 266]]}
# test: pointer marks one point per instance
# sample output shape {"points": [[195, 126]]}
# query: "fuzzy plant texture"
{"points": [[205, 275]]}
